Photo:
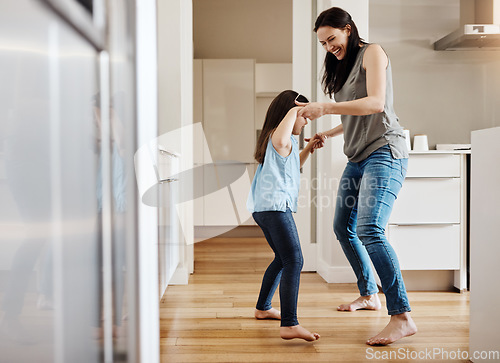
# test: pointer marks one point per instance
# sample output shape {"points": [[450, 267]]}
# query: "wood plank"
{"points": [[211, 319]]}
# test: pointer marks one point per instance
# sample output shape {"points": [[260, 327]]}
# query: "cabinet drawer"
{"points": [[433, 165], [426, 247], [427, 200]]}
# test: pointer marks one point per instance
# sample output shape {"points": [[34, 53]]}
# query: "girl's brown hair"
{"points": [[277, 110]]}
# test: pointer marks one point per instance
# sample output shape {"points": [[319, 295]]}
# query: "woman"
{"points": [[272, 199], [358, 74]]}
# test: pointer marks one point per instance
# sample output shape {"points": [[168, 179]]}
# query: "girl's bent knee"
{"points": [[297, 263]]}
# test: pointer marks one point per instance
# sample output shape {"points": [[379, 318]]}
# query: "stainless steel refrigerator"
{"points": [[69, 259]]}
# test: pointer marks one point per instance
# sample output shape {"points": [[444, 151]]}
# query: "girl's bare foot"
{"points": [[399, 326], [267, 314], [370, 302], [296, 331]]}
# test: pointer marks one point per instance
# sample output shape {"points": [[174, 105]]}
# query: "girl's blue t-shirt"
{"points": [[276, 183]]}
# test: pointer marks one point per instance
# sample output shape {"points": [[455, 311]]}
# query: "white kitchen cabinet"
{"points": [[428, 201], [168, 229], [428, 225], [224, 104], [434, 164], [272, 78], [228, 108], [427, 246]]}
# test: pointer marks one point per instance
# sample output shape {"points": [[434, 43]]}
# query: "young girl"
{"points": [[273, 198]]}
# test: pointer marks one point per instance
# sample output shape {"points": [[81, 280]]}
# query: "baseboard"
{"points": [[414, 280], [180, 276], [205, 232], [335, 274], [431, 280]]}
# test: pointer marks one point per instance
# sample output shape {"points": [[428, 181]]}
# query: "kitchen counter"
{"points": [[428, 225], [411, 152]]}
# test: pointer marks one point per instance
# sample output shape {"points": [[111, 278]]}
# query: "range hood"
{"points": [[479, 27]]}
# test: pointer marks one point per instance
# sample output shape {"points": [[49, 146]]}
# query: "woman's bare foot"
{"points": [[400, 326], [296, 331], [267, 314], [370, 302]]}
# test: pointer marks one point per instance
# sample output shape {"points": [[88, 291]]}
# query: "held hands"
{"points": [[311, 110], [316, 142]]}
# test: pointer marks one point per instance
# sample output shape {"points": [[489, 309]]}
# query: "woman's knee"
{"points": [[341, 235], [340, 230], [344, 232], [370, 233]]}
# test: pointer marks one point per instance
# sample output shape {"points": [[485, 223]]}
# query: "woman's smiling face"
{"points": [[334, 40]]}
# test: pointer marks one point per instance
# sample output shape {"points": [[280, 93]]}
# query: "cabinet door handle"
{"points": [[166, 152], [167, 180], [423, 224]]}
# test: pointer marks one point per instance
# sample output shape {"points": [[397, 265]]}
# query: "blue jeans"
{"points": [[281, 234], [366, 195]]}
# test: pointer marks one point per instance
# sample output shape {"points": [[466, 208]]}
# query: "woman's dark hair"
{"points": [[336, 71], [277, 110]]}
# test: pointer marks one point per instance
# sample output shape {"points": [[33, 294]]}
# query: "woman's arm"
{"points": [[337, 130], [375, 62], [281, 136], [320, 139]]}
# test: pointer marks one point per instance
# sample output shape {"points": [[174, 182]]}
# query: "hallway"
{"points": [[211, 319]]}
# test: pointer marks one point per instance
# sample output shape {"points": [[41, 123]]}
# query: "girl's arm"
{"points": [[320, 139], [281, 136], [375, 62], [315, 142]]}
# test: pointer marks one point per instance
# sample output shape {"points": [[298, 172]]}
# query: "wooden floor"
{"points": [[211, 319]]}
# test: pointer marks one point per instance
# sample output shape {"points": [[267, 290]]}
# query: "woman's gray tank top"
{"points": [[365, 134]]}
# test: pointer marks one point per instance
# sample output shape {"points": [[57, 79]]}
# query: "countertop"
{"points": [[413, 152]]}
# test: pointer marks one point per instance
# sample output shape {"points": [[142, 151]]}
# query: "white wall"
{"points": [[301, 70], [175, 109], [444, 94]]}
